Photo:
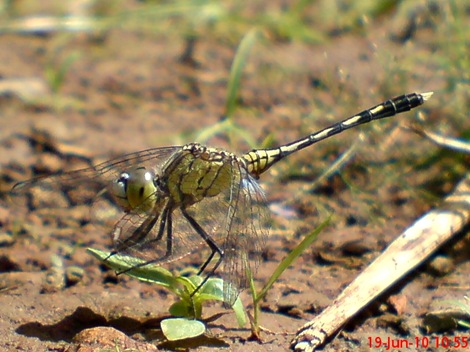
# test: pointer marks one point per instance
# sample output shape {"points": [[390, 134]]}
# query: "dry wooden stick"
{"points": [[409, 250]]}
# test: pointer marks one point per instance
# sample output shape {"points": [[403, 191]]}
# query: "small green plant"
{"points": [[187, 311], [187, 319], [258, 296], [56, 71]]}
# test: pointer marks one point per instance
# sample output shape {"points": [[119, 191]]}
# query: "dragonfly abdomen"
{"points": [[258, 161]]}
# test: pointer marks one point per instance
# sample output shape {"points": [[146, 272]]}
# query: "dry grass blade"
{"points": [[408, 251], [442, 141]]}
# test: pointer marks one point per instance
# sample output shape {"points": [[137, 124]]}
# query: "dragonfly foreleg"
{"points": [[166, 222]]}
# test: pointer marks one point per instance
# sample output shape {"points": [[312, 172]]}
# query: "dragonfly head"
{"points": [[135, 189]]}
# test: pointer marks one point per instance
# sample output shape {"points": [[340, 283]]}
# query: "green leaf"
{"points": [[148, 273], [240, 313], [213, 289], [287, 261], [181, 309], [189, 283], [236, 71], [180, 328]]}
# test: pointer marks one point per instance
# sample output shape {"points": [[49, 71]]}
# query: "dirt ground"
{"points": [[129, 90]]}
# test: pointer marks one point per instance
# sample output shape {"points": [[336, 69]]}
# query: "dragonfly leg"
{"points": [[165, 222], [211, 243], [203, 267]]}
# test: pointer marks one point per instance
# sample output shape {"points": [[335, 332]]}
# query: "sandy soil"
{"points": [[129, 91]]}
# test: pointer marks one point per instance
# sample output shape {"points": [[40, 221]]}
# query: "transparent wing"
{"points": [[248, 228], [158, 238], [87, 186], [80, 186]]}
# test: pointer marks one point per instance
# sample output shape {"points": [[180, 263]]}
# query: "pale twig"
{"points": [[408, 251]]}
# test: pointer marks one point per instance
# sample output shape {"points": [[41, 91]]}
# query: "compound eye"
{"points": [[148, 177], [141, 189], [119, 190]]}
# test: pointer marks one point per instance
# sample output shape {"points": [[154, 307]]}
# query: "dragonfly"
{"points": [[164, 203]]}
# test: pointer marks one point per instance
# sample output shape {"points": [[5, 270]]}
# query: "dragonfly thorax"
{"points": [[135, 189]]}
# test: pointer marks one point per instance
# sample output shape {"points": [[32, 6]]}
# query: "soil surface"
{"points": [[126, 91]]}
